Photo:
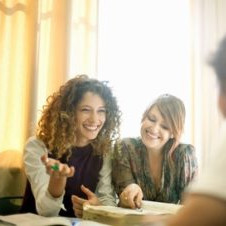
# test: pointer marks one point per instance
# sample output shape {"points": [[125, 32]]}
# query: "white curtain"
{"points": [[208, 20], [83, 38]]}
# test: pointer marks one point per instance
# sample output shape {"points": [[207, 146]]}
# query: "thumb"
{"points": [[44, 158], [139, 199], [89, 193]]}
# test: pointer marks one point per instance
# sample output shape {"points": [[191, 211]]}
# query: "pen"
{"points": [[138, 207], [55, 167]]}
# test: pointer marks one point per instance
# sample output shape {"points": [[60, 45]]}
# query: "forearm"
{"points": [[104, 190], [200, 210], [46, 205], [56, 186]]}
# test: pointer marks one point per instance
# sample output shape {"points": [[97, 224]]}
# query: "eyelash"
{"points": [[150, 119], [153, 120], [86, 109], [165, 127]]}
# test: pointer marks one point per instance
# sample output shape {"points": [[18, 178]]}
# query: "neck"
{"points": [[155, 153]]}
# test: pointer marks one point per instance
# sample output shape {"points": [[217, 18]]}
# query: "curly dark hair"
{"points": [[56, 128]]}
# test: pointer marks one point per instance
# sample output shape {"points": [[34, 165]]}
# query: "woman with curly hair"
{"points": [[68, 162], [155, 166]]}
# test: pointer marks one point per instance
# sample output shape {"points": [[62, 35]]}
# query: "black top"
{"points": [[87, 168]]}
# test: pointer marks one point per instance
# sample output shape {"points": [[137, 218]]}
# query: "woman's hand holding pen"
{"points": [[59, 173], [78, 202], [131, 196], [56, 168]]}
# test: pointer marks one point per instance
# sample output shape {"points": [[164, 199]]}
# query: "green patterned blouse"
{"points": [[130, 165]]}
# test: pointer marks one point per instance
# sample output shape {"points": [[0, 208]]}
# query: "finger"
{"points": [[53, 167], [131, 202], [78, 212], [86, 203], [44, 159], [125, 200], [138, 199], [65, 170], [89, 193], [131, 196], [78, 206], [76, 199], [71, 174]]}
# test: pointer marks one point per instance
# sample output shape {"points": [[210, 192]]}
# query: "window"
{"points": [[143, 51]]}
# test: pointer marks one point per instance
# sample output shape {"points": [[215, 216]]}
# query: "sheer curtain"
{"points": [[208, 27], [17, 65], [83, 37], [34, 61]]}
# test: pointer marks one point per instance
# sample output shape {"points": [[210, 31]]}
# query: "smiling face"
{"points": [[90, 118], [154, 130]]}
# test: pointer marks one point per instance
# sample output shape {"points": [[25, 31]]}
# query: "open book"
{"points": [[122, 216], [29, 219]]}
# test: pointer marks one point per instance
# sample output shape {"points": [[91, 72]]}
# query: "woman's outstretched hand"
{"points": [[131, 196], [56, 168], [59, 173], [78, 202]]}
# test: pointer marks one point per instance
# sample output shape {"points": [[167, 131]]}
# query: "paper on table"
{"points": [[117, 215], [29, 219], [148, 207]]}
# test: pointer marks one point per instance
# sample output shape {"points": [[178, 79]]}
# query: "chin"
{"points": [[92, 137]]}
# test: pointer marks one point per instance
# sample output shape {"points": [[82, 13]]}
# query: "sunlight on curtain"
{"points": [[17, 41], [83, 38], [27, 76], [34, 62], [143, 51], [52, 46], [209, 26]]}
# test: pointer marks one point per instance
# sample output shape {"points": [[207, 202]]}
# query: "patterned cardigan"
{"points": [[130, 165]]}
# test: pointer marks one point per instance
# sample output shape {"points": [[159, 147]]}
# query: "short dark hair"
{"points": [[218, 62]]}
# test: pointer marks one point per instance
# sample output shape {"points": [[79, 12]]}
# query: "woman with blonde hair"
{"points": [[155, 166], [67, 163]]}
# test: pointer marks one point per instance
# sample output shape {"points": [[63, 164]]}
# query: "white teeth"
{"points": [[153, 136], [93, 128]]}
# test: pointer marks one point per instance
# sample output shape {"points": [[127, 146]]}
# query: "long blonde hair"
{"points": [[173, 112]]}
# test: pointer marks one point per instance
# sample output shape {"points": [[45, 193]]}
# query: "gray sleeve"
{"points": [[105, 191], [46, 205]]}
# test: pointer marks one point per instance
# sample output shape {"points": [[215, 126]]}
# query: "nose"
{"points": [[155, 127], [93, 116]]}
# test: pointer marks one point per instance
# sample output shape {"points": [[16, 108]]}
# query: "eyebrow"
{"points": [[82, 106]]}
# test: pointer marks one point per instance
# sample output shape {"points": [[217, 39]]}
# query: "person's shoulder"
{"points": [[185, 149], [33, 141], [128, 145], [131, 142]]}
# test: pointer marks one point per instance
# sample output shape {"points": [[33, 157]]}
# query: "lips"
{"points": [[152, 135], [91, 128]]}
